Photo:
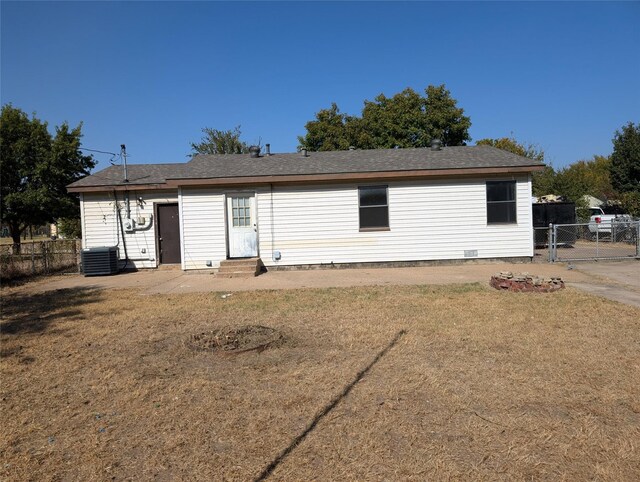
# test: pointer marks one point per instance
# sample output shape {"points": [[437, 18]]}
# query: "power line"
{"points": [[95, 150]]}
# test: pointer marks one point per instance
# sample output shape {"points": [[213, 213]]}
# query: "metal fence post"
{"points": [[550, 242]]}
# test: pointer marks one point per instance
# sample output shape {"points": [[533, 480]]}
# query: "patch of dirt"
{"points": [[235, 339]]}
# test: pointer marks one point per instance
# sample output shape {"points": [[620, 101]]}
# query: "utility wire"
{"points": [[114, 156], [101, 152]]}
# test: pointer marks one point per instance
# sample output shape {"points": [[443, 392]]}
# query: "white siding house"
{"points": [[100, 225], [428, 220], [404, 205]]}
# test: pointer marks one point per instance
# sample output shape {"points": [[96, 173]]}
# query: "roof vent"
{"points": [[268, 149], [303, 151], [436, 144], [352, 148], [254, 151]]}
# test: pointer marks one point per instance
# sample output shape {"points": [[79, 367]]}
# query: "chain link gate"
{"points": [[590, 241]]}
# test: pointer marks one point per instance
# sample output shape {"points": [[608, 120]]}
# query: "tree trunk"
{"points": [[16, 232]]}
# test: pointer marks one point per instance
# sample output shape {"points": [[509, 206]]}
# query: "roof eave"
{"points": [[313, 178], [116, 187], [353, 176]]}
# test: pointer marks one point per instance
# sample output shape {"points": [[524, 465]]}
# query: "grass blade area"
{"points": [[485, 385], [325, 411]]}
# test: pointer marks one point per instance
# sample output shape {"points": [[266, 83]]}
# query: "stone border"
{"points": [[525, 282]]}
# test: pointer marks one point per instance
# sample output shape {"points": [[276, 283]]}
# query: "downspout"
{"points": [[273, 223], [124, 242]]}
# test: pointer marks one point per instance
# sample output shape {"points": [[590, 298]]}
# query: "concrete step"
{"points": [[170, 267], [239, 268], [240, 262]]}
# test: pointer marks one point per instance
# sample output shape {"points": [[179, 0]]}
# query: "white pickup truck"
{"points": [[606, 221]]}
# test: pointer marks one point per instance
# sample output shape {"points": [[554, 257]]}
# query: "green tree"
{"points": [[582, 178], [631, 202], [543, 182], [625, 159], [515, 147], [216, 141], [405, 120], [328, 132], [585, 178], [445, 120], [398, 121], [70, 228], [35, 169]]}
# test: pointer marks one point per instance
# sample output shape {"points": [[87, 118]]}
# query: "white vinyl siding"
{"points": [[428, 220], [319, 224], [202, 218], [100, 226]]}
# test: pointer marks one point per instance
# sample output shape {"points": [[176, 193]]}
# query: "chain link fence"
{"points": [[588, 241], [39, 258]]}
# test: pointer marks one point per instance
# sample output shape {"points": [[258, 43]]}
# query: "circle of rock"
{"points": [[525, 282], [230, 340]]}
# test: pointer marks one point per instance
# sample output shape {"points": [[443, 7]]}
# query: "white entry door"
{"points": [[241, 225]]}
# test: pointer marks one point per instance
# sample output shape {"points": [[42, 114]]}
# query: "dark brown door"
{"points": [[168, 233]]}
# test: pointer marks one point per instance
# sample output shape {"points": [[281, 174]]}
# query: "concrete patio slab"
{"points": [[175, 281], [619, 281]]}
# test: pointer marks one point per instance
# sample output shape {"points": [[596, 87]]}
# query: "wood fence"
{"points": [[35, 258]]}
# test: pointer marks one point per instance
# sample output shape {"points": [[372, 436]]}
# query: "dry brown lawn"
{"points": [[484, 385]]}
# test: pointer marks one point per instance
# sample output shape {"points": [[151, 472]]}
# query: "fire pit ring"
{"points": [[232, 340], [525, 282]]}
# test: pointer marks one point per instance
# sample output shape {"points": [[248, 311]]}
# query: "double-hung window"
{"points": [[373, 204], [501, 202]]}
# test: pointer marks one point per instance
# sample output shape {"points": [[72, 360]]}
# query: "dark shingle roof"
{"points": [[138, 174], [317, 163], [373, 160]]}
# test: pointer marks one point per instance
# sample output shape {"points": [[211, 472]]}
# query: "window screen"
{"points": [[374, 207], [501, 202]]}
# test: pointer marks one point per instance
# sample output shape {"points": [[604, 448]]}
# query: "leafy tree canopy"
{"points": [[543, 181], [70, 228], [215, 141], [36, 167], [407, 119], [631, 203], [572, 182], [512, 145], [582, 178], [625, 160]]}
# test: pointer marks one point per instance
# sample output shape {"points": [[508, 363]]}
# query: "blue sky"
{"points": [[563, 76]]}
